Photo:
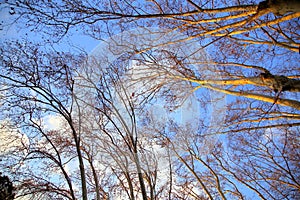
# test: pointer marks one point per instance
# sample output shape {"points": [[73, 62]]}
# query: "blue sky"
{"points": [[14, 31]]}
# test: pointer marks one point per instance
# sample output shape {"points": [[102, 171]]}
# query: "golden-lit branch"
{"points": [[268, 23], [292, 47], [280, 101], [276, 83]]}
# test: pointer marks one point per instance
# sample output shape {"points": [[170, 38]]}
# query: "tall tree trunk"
{"points": [[140, 175], [80, 160], [97, 188], [82, 171]]}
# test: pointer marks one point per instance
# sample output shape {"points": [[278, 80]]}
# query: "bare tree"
{"points": [[230, 19], [168, 52], [36, 87]]}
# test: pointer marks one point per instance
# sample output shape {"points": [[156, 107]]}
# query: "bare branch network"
{"points": [[182, 99]]}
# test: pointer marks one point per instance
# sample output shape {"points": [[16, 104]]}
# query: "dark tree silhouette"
{"points": [[6, 188]]}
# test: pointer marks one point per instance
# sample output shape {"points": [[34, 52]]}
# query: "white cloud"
{"points": [[53, 122], [11, 139]]}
